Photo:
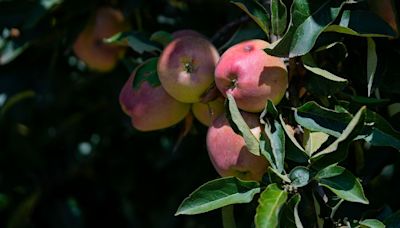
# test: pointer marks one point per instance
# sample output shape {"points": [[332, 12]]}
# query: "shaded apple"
{"points": [[207, 112], [228, 152], [89, 45], [148, 105], [251, 75], [186, 67], [386, 10]]}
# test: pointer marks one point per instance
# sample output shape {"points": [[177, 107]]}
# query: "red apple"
{"points": [[89, 45], [251, 75], [386, 10], [149, 106], [186, 67], [207, 112], [228, 152]]}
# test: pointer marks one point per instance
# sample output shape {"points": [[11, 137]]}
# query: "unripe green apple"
{"points": [[89, 45], [186, 67], [228, 152], [149, 106], [251, 75], [207, 112]]}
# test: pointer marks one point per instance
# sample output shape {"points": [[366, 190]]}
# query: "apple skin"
{"points": [[251, 75], [151, 108], [186, 67], [186, 32], [205, 113], [228, 152], [89, 45]]}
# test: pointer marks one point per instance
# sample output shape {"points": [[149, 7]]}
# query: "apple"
{"points": [[251, 75], [186, 67], [186, 32], [207, 112], [228, 152], [89, 45], [149, 106]]}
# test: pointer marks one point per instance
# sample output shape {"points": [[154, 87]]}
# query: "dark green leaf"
{"points": [[243, 33], [147, 72], [379, 132], [362, 23], [371, 223], [251, 141], [135, 40], [372, 61], [256, 11], [11, 50], [300, 176], [274, 145], [310, 65], [218, 193], [317, 118], [329, 171], [273, 173], [344, 185], [309, 19], [341, 144], [278, 17], [290, 214], [270, 204], [393, 220], [293, 150], [161, 37]]}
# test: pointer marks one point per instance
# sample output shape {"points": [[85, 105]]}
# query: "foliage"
{"points": [[69, 156]]}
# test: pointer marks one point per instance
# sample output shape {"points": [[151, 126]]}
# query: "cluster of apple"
{"points": [[191, 77]]}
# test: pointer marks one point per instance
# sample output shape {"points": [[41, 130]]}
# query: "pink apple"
{"points": [[251, 75], [89, 45], [150, 107], [186, 67], [228, 152], [207, 112]]}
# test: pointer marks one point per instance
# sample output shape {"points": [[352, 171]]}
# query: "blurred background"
{"points": [[69, 156]]}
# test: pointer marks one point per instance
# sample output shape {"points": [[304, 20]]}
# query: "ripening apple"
{"points": [[89, 45], [149, 106], [186, 67], [228, 152], [251, 75], [207, 112]]}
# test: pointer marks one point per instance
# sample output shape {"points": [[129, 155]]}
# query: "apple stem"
{"points": [[228, 219]]}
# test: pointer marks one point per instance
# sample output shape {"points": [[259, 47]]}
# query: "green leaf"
{"points": [[309, 19], [329, 171], [251, 141], [371, 223], [293, 150], [146, 72], [290, 213], [10, 50], [341, 144], [161, 37], [278, 17], [393, 220], [344, 185], [310, 65], [300, 176], [372, 62], [273, 146], [218, 193], [362, 23], [379, 132], [135, 40], [276, 173], [313, 141], [317, 118], [243, 33], [270, 204], [255, 11]]}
